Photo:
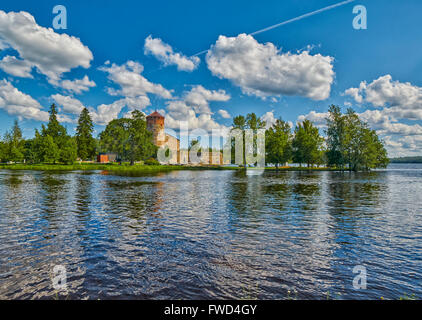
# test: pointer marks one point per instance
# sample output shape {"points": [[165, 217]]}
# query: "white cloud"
{"points": [[403, 146], [16, 67], [269, 118], [51, 53], [355, 94], [319, 119], [106, 112], [224, 114], [132, 83], [199, 97], [194, 108], [68, 104], [103, 113], [78, 85], [399, 100], [263, 70], [17, 103], [178, 111], [164, 52]]}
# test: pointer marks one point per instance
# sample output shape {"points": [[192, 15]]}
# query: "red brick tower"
{"points": [[155, 124]]}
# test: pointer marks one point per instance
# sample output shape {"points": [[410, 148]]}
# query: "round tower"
{"points": [[155, 124]]}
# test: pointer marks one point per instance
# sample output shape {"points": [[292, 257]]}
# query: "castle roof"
{"points": [[155, 114]]}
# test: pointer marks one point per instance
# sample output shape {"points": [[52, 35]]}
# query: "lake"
{"points": [[211, 234]]}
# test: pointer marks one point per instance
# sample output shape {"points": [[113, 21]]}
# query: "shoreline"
{"points": [[142, 168]]}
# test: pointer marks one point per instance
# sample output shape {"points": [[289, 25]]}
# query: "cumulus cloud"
{"points": [[269, 119], [399, 100], [403, 146], [78, 85], [194, 108], [103, 113], [132, 83], [68, 104], [16, 67], [164, 53], [318, 118], [199, 97], [51, 53], [224, 114], [17, 103], [264, 70], [178, 111]]}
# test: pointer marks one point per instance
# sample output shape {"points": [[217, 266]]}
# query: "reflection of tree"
{"points": [[354, 192], [53, 197], [135, 199], [246, 193], [307, 190], [14, 181], [83, 199]]}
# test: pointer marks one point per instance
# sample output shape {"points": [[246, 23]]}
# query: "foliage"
{"points": [[307, 144], [129, 138], [68, 153], [352, 144], [241, 123], [86, 144], [278, 143], [13, 147], [152, 162]]}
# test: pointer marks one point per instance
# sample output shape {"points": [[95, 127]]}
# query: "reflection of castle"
{"points": [[155, 124]]}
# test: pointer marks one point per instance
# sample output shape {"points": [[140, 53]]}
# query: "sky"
{"points": [[118, 56]]}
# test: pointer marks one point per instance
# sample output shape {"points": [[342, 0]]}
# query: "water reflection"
{"points": [[210, 234]]}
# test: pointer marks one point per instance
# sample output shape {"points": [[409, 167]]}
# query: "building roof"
{"points": [[155, 114]]}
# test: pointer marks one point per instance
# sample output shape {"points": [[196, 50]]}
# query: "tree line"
{"points": [[349, 143], [52, 144]]}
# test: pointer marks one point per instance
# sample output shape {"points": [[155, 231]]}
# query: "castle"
{"points": [[155, 124]]}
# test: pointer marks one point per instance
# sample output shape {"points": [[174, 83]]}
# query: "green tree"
{"points": [[54, 129], [2, 151], [68, 153], [241, 123], [86, 144], [48, 152], [278, 143], [307, 144], [351, 143], [129, 138], [14, 144], [335, 132]]}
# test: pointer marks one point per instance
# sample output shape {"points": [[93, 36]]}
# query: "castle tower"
{"points": [[155, 124]]}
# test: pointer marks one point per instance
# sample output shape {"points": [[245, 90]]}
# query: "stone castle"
{"points": [[155, 124]]}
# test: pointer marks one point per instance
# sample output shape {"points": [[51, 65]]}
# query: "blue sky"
{"points": [[241, 74]]}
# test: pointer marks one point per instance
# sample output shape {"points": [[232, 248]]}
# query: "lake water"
{"points": [[211, 234]]}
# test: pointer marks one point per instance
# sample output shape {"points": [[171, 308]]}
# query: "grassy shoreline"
{"points": [[137, 168]]}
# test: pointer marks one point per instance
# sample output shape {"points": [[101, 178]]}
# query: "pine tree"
{"points": [[86, 144], [14, 144], [54, 129]]}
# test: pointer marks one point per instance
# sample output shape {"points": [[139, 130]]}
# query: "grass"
{"points": [[106, 167], [125, 167]]}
